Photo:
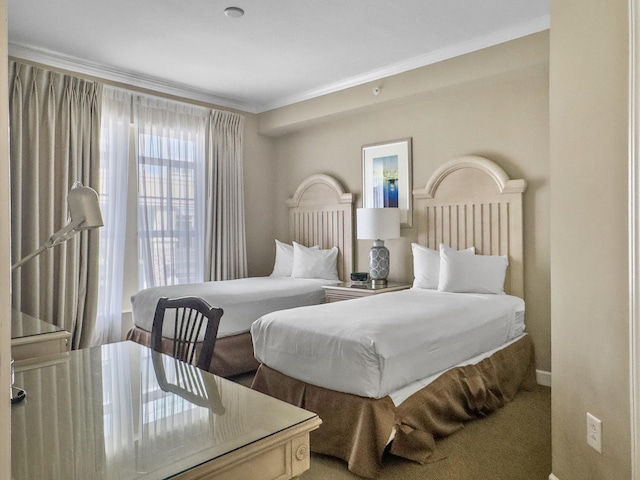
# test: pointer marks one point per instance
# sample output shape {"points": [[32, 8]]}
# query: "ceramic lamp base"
{"points": [[378, 263]]}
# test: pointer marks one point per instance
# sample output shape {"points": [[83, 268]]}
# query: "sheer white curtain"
{"points": [[191, 224], [114, 160], [225, 254], [170, 150]]}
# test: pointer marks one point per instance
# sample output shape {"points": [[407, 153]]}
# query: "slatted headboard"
{"points": [[321, 213], [471, 201]]}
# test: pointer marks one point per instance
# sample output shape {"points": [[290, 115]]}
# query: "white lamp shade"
{"points": [[84, 207], [378, 223]]}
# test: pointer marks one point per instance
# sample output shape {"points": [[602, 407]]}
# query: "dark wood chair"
{"points": [[191, 316]]}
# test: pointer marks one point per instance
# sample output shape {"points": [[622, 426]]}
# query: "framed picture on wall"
{"points": [[386, 177]]}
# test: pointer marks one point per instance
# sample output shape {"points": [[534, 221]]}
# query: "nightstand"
{"points": [[350, 290], [32, 338]]}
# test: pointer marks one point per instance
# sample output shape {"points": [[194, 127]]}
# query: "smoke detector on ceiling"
{"points": [[233, 12]]}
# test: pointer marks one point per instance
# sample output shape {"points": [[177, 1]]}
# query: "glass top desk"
{"points": [[122, 411]]}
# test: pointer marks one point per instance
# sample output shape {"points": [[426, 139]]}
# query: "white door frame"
{"points": [[634, 233], [5, 259]]}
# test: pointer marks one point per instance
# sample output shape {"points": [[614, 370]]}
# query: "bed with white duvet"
{"points": [[375, 345], [243, 300], [297, 279], [396, 371]]}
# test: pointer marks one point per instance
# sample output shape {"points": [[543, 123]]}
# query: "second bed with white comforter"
{"points": [[375, 345], [243, 300]]}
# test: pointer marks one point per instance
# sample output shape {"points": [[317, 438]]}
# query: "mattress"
{"points": [[375, 345], [243, 300]]}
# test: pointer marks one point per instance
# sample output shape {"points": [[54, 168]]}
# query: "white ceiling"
{"points": [[280, 52]]}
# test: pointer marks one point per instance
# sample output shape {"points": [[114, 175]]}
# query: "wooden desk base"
{"points": [[281, 456]]}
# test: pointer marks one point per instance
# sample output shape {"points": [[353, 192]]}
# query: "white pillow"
{"points": [[314, 263], [461, 273], [426, 266], [284, 260], [283, 265]]}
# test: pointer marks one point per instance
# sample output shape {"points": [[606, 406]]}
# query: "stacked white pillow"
{"points": [[458, 271], [298, 261], [284, 260], [426, 266]]}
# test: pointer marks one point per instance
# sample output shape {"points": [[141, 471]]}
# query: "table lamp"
{"points": [[378, 224], [84, 214]]}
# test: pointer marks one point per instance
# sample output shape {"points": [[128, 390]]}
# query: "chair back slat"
{"points": [[191, 316], [188, 382]]}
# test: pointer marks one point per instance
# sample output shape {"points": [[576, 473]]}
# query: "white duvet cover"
{"points": [[243, 300], [375, 345]]}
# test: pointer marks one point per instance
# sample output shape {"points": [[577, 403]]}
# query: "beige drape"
{"points": [[54, 135], [225, 240]]}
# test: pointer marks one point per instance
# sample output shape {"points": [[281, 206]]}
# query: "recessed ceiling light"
{"points": [[233, 12]]}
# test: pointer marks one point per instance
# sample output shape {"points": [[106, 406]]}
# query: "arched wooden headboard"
{"points": [[321, 213], [471, 201]]}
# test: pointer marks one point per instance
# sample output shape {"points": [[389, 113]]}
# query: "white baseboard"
{"points": [[553, 477], [543, 378]]}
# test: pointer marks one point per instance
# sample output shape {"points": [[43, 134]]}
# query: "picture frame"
{"points": [[386, 177]]}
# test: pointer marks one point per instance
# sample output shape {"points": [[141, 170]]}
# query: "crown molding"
{"points": [[535, 26], [64, 62]]}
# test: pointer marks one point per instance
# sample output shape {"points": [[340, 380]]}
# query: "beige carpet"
{"points": [[512, 443]]}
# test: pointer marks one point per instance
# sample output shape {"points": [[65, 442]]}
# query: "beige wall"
{"points": [[492, 103], [589, 236], [260, 205]]}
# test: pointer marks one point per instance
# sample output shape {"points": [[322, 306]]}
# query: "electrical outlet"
{"points": [[594, 432]]}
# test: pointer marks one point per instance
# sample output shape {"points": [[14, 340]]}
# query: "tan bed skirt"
{"points": [[231, 356], [357, 429]]}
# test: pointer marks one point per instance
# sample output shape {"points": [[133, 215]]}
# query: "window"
{"points": [[154, 232], [170, 152]]}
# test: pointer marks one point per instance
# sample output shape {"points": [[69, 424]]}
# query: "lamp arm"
{"points": [[64, 233], [28, 257], [57, 238]]}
